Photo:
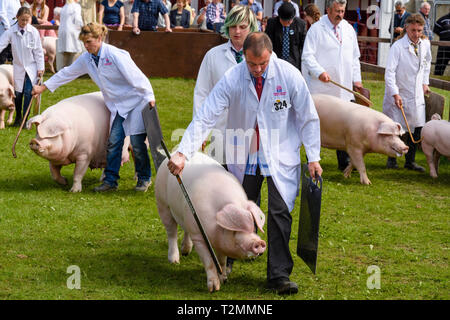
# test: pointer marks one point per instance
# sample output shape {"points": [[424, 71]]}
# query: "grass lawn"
{"points": [[400, 224]]}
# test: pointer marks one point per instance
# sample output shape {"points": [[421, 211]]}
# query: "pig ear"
{"points": [[51, 128], [235, 219], [388, 128], [35, 120], [257, 214]]}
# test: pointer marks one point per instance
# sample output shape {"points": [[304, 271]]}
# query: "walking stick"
{"points": [[38, 99], [199, 224], [354, 92], [407, 125]]}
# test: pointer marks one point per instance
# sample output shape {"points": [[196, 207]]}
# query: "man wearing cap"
{"points": [[287, 33], [331, 52]]}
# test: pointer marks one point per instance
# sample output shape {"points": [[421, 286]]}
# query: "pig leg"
{"points": [[436, 157], [2, 119], [171, 229], [212, 279], [55, 171], [430, 153], [357, 160], [81, 166], [51, 60], [186, 245], [10, 116]]}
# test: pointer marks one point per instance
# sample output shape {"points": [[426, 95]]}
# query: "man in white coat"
{"points": [[8, 12], [406, 79], [268, 103], [126, 91], [331, 52], [239, 22]]}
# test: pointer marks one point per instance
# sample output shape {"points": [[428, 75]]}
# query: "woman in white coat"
{"points": [[284, 113], [28, 59], [239, 22], [126, 91], [407, 78], [68, 44]]}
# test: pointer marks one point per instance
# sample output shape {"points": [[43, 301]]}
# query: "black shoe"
{"points": [[414, 166], [391, 163], [17, 124], [283, 286], [105, 187]]}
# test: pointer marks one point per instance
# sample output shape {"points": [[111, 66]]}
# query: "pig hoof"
{"points": [[75, 189], [10, 121], [61, 181], [186, 245], [174, 257], [2, 125], [213, 285]]}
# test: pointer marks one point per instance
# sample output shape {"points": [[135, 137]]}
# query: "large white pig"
{"points": [[49, 46], [435, 142], [227, 216], [75, 130], [6, 94], [358, 130]]}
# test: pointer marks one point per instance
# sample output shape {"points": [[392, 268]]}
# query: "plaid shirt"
{"points": [[148, 13], [211, 12], [426, 28]]}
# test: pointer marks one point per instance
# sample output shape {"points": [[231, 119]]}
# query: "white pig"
{"points": [[435, 142], [227, 216], [6, 94], [358, 130], [49, 46], [75, 130]]}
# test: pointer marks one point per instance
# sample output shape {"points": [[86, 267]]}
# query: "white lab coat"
{"points": [[125, 88], [282, 130], [405, 75], [215, 63], [8, 12], [27, 53], [69, 29], [322, 52]]}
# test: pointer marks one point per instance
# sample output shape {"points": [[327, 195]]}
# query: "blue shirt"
{"points": [[148, 13], [111, 14]]}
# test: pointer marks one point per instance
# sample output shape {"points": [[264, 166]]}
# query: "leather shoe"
{"points": [[105, 187], [414, 166], [282, 286], [391, 163]]}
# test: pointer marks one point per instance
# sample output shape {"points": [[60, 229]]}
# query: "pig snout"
{"points": [[36, 146], [400, 148], [258, 247]]}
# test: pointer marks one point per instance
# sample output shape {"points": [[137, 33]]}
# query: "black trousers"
{"points": [[279, 221], [442, 58], [410, 157]]}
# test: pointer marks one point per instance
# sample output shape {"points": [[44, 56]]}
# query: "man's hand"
{"points": [[40, 73], [314, 168], [176, 163], [324, 77], [37, 90], [426, 89], [168, 29], [151, 104], [357, 85], [398, 101], [136, 30]]}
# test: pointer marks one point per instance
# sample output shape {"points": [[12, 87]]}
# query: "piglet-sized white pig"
{"points": [[75, 130], [435, 142], [357, 130], [227, 216], [6, 94], [49, 46]]}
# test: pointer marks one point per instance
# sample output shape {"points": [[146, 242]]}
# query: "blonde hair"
{"points": [[93, 30], [34, 8], [313, 11]]}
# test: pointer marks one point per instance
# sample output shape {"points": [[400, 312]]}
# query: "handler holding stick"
{"points": [[126, 90], [267, 97]]}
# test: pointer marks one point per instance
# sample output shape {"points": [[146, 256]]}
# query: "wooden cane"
{"points": [[407, 125], [354, 92], [24, 119]]}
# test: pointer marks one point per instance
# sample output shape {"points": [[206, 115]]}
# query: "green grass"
{"points": [[400, 223]]}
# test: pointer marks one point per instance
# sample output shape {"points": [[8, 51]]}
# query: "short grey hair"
{"points": [[423, 4], [399, 4], [329, 3]]}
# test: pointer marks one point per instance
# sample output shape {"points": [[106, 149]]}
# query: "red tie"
{"points": [[258, 87]]}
